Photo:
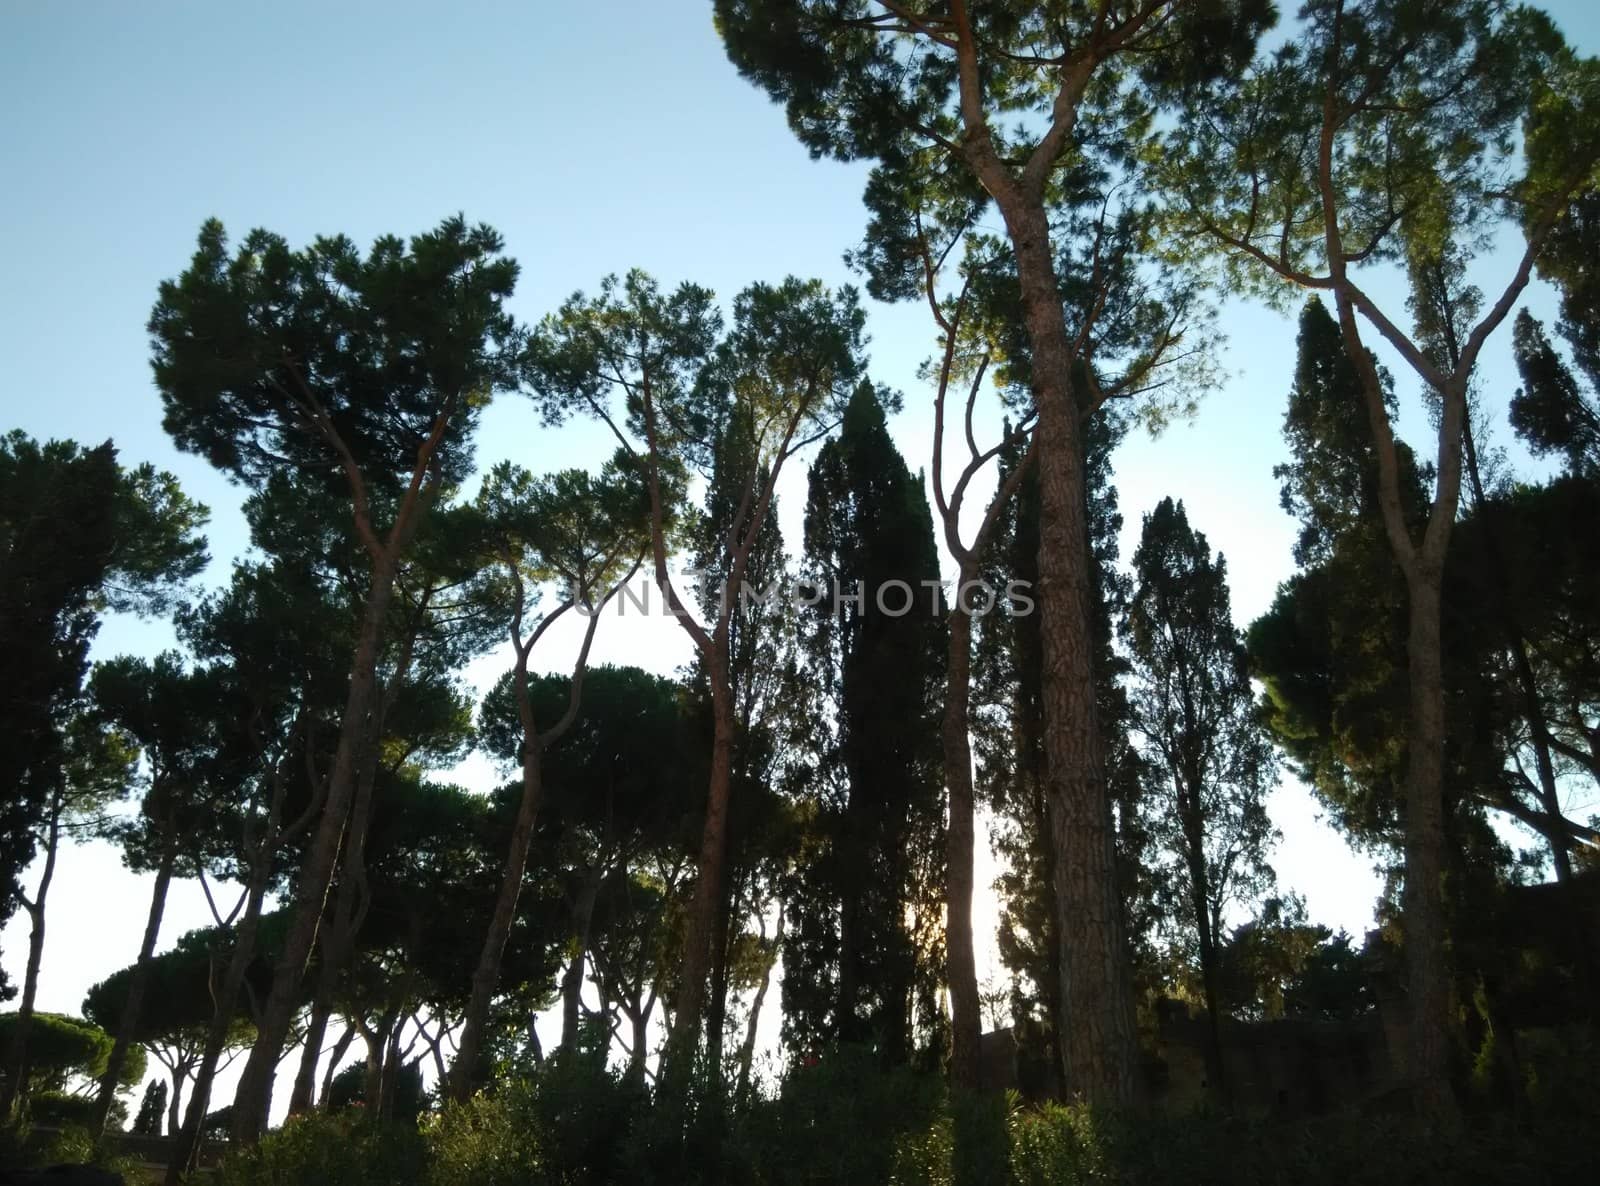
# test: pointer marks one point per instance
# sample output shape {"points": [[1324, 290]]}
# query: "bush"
{"points": [[342, 1149], [844, 1120], [570, 1123], [57, 1109]]}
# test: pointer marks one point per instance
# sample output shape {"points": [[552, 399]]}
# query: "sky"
{"points": [[596, 138]]}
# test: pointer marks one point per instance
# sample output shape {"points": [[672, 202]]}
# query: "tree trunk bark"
{"points": [[684, 1045], [325, 1092], [1426, 964], [17, 1056], [253, 1100], [641, 1046], [717, 1004], [173, 1111], [1096, 1020], [225, 998], [486, 976], [138, 984], [1200, 903], [572, 981], [1423, 567], [303, 1097], [962, 969]]}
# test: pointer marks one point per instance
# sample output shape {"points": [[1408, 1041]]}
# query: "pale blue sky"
{"points": [[596, 138]]}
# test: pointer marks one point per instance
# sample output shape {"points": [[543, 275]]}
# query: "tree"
{"points": [[93, 769], [1195, 715], [151, 1106], [619, 795], [878, 650], [1279, 176], [79, 536], [64, 1050], [589, 536], [923, 93], [282, 631], [173, 1022], [347, 372], [1550, 411], [181, 722], [782, 373]]}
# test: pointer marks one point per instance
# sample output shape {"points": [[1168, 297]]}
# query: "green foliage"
{"points": [[571, 1124], [265, 356], [61, 1048], [1193, 710], [76, 1144], [152, 1109], [331, 1149], [862, 954], [78, 535], [1550, 411], [349, 1088], [841, 1119]]}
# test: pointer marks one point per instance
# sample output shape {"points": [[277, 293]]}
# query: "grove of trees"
{"points": [[746, 888]]}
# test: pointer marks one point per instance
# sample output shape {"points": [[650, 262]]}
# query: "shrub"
{"points": [[341, 1149], [845, 1120], [569, 1123]]}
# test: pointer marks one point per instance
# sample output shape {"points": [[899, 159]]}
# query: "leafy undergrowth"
{"points": [[845, 1122]]}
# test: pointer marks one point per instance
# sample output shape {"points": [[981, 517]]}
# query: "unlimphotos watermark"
{"points": [[892, 598]]}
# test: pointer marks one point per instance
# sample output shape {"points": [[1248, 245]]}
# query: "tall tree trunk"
{"points": [[15, 1088], [325, 1093], [572, 981], [186, 1147], [173, 1111], [377, 1040], [747, 1049], [390, 1079], [717, 1004], [1200, 904], [1096, 1020], [641, 1045], [684, 1045], [1423, 567], [303, 1097], [486, 976], [138, 984], [253, 1100], [1427, 972], [961, 962]]}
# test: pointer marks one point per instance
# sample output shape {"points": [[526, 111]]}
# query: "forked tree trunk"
{"points": [[253, 1099], [186, 1146], [572, 981], [138, 985], [486, 976]]}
